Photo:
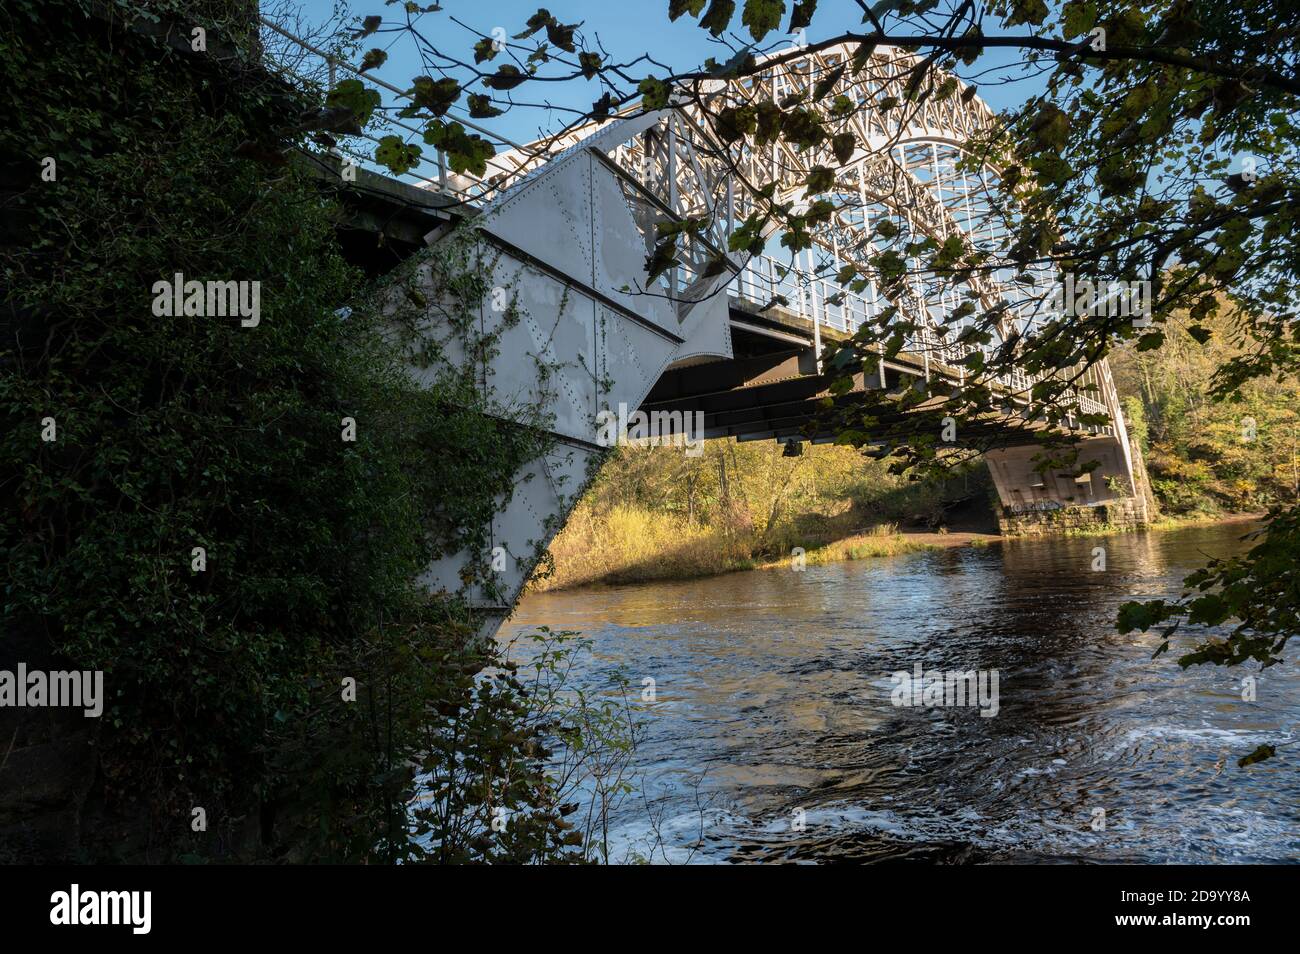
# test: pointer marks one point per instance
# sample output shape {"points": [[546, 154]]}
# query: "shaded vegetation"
{"points": [[289, 678]]}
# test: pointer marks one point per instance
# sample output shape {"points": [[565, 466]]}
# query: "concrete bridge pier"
{"points": [[1115, 493]]}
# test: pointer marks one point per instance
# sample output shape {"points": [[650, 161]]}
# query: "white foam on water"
{"points": [[1202, 737]]}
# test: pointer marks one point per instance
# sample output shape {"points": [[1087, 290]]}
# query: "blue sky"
{"points": [[625, 28]]}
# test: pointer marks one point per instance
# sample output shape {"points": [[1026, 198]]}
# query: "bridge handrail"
{"points": [[763, 279], [823, 301], [443, 179]]}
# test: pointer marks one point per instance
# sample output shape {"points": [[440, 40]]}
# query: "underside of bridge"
{"points": [[590, 332], [771, 390]]}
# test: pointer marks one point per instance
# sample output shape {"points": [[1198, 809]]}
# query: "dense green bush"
{"points": [[181, 432]]}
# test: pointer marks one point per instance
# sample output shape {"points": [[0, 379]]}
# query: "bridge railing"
{"points": [[827, 304], [821, 300], [432, 170]]}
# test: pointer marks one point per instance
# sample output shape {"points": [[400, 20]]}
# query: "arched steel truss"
{"points": [[906, 168], [573, 248]]}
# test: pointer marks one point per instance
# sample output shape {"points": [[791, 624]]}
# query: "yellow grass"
{"points": [[628, 544], [880, 541]]}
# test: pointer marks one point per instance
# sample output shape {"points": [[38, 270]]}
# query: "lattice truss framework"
{"points": [[906, 168]]}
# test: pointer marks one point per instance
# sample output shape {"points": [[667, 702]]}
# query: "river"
{"points": [[773, 734]]}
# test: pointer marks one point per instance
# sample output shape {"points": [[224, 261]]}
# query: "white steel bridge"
{"points": [[572, 222]]}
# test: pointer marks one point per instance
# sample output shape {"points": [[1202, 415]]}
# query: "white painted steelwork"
{"points": [[573, 219]]}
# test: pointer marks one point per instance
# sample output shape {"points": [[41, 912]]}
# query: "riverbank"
{"points": [[866, 546], [631, 546]]}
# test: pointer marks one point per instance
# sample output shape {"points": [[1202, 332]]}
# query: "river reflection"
{"points": [[773, 712]]}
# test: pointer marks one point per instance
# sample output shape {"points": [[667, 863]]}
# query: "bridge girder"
{"points": [[577, 225], [676, 157]]}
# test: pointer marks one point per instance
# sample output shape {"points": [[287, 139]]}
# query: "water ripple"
{"points": [[774, 689]]}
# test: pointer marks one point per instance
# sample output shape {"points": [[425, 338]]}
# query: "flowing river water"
{"points": [[774, 735]]}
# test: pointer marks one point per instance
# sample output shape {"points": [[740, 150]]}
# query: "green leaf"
{"points": [[796, 238], [537, 21], [506, 77], [481, 107], [841, 105], [1027, 11], [397, 155], [802, 14], [356, 96], [436, 96], [1051, 127], [735, 122], [662, 258], [654, 93], [368, 26], [820, 179], [803, 128], [819, 212], [561, 35], [1134, 615], [1209, 610], [949, 253], [464, 152], [827, 83], [718, 17], [890, 265], [843, 146], [862, 56], [767, 128], [1078, 17], [677, 7], [762, 17]]}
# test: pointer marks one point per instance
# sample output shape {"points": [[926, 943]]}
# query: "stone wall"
{"points": [[1125, 513], [1129, 513]]}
